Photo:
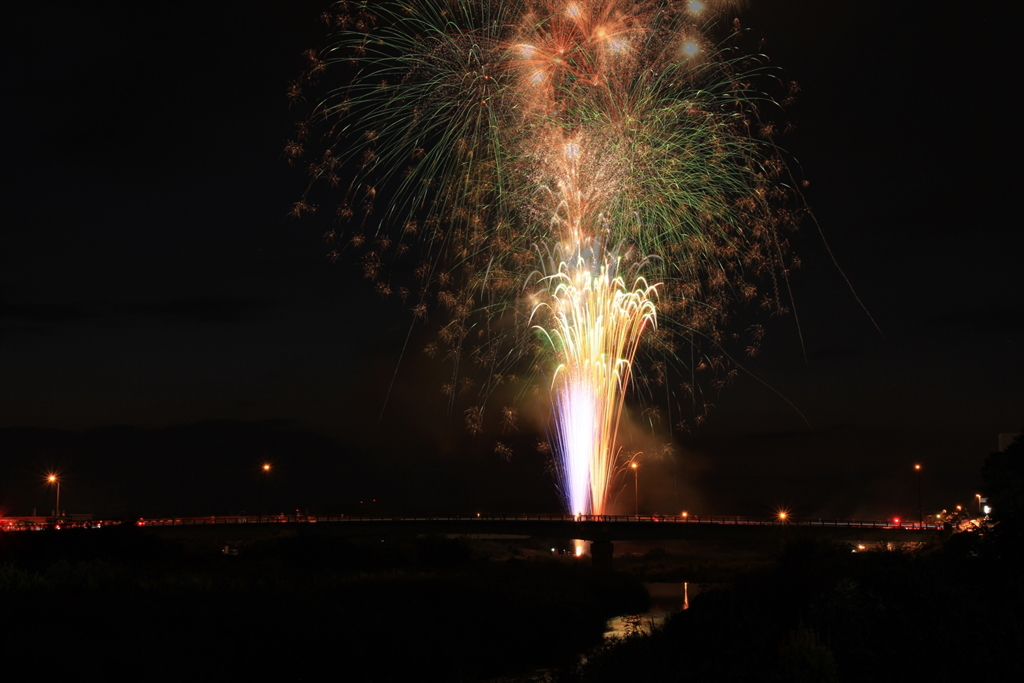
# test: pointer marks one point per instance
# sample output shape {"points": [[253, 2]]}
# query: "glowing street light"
{"points": [[265, 470], [54, 479], [920, 507], [978, 496], [636, 489]]}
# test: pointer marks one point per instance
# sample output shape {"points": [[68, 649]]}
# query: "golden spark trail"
{"points": [[596, 328]]}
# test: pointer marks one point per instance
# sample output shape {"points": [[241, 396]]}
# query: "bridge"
{"points": [[600, 530]]}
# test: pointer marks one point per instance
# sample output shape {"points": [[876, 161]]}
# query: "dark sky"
{"points": [[166, 326]]}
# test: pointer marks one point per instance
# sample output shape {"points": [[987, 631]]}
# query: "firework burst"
{"points": [[578, 178], [596, 323]]}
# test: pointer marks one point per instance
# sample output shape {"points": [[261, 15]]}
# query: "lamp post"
{"points": [[265, 470], [53, 479], [920, 507], [978, 496], [636, 490]]}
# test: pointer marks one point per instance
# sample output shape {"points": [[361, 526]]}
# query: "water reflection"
{"points": [[666, 599]]}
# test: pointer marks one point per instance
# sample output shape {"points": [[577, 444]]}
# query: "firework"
{"points": [[594, 173], [596, 327]]}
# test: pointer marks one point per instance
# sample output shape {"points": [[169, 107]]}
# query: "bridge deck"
{"points": [[591, 528]]}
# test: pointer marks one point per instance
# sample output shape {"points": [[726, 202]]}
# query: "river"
{"points": [[666, 599]]}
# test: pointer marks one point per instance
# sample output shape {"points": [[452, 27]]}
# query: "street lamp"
{"points": [[263, 475], [920, 507], [53, 479], [978, 496], [636, 489]]}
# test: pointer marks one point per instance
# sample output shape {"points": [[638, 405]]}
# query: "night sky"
{"points": [[166, 326]]}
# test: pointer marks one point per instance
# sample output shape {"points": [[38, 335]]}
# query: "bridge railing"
{"points": [[560, 518]]}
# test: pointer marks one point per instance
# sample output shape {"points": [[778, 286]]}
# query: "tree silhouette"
{"points": [[1003, 477]]}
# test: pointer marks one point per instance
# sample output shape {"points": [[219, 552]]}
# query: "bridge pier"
{"points": [[601, 554]]}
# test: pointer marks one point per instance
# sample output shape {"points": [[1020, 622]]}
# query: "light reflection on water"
{"points": [[666, 599]]}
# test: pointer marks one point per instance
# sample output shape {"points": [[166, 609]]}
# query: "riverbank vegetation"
{"points": [[397, 609], [824, 613]]}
